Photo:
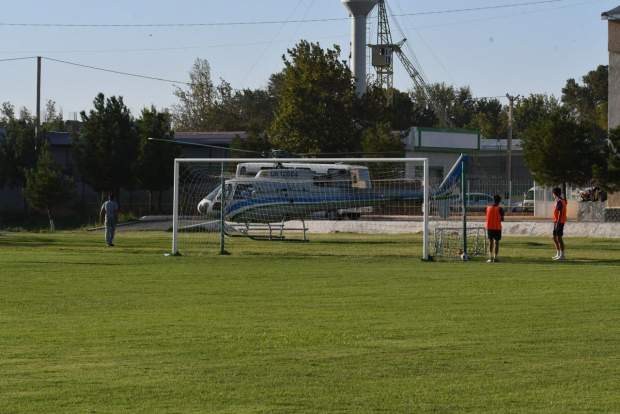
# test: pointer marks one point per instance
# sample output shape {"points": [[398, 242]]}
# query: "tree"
{"points": [[193, 112], [608, 170], [155, 166], [491, 117], [20, 149], [275, 85], [7, 112], [3, 163], [108, 147], [317, 109], [374, 109], [528, 110], [202, 105], [423, 114], [45, 186], [255, 141], [53, 119], [402, 111], [560, 150], [380, 139], [254, 109], [589, 102], [458, 103]]}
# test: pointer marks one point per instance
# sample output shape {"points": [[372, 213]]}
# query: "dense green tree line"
{"points": [[112, 151]]}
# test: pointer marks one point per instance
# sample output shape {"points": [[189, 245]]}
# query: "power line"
{"points": [[269, 44], [284, 41], [155, 49], [272, 21], [19, 58], [292, 37], [115, 71], [506, 15], [161, 79], [427, 45]]}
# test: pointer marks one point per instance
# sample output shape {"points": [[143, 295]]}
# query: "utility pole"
{"points": [[512, 100], [38, 113]]}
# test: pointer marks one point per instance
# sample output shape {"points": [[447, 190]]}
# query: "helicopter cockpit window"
{"points": [[339, 178], [213, 193], [361, 178], [243, 191], [229, 189]]}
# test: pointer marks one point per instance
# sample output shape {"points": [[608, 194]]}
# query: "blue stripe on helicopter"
{"points": [[280, 200]]}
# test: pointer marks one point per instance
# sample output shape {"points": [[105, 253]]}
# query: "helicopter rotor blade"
{"points": [[205, 145], [350, 153]]}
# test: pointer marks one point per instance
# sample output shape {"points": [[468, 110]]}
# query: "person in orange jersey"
{"points": [[495, 216], [559, 219]]}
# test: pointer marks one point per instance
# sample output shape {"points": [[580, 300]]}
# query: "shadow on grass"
{"points": [[568, 262], [358, 242], [73, 263], [27, 240]]}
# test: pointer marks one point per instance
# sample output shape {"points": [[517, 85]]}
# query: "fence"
{"points": [[87, 199], [517, 196]]}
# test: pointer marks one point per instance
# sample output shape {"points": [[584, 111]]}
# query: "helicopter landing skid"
{"points": [[276, 231]]}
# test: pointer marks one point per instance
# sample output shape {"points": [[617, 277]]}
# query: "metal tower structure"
{"points": [[383, 52], [383, 62]]}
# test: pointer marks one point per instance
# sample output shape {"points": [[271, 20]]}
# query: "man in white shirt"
{"points": [[110, 210]]}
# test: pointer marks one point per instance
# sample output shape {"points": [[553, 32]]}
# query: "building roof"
{"points": [[613, 14]]}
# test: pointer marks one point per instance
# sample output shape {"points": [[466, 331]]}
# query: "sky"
{"points": [[518, 50]]}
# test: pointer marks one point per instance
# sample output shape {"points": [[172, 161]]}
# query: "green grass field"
{"points": [[340, 324]]}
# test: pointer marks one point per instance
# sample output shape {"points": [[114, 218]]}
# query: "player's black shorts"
{"points": [[558, 229], [494, 234]]}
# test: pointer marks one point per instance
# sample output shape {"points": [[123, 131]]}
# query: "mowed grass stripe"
{"points": [[320, 326]]}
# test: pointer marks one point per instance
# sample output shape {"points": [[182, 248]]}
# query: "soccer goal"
{"points": [[449, 243], [221, 204]]}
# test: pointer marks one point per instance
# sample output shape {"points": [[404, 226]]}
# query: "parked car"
{"points": [[476, 202], [527, 205]]}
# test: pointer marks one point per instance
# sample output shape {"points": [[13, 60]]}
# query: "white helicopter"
{"points": [[268, 192]]}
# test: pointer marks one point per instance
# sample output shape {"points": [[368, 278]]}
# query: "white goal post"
{"points": [[268, 198]]}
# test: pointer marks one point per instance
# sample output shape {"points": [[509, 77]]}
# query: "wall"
{"points": [[614, 87], [591, 211], [612, 215]]}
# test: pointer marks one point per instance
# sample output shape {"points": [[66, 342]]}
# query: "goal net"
{"points": [[226, 205], [449, 243]]}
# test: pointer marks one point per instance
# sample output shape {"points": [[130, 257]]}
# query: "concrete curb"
{"points": [[520, 229]]}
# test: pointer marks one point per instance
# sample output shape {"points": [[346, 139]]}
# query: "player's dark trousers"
{"points": [[110, 229]]}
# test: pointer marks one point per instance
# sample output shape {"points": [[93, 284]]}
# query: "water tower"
{"points": [[359, 10]]}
